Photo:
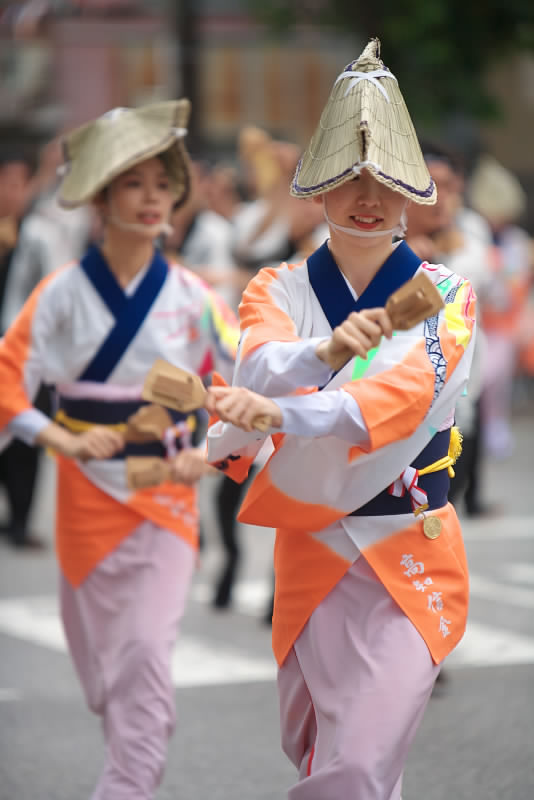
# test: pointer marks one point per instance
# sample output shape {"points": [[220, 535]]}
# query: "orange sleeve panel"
{"points": [[262, 320], [15, 349], [395, 402]]}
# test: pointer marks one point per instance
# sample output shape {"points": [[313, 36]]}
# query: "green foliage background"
{"points": [[440, 50]]}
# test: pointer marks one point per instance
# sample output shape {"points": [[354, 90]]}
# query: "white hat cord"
{"points": [[366, 76], [398, 230], [134, 227]]}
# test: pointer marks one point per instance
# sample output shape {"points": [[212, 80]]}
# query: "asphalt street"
{"points": [[477, 738]]}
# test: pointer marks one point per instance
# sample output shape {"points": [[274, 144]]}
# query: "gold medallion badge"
{"points": [[432, 527]]}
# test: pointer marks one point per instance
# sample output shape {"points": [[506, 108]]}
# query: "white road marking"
{"points": [[486, 646], [9, 695], [199, 662], [248, 597], [519, 573], [501, 593], [195, 662], [498, 529]]}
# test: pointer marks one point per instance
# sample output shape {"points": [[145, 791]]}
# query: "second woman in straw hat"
{"points": [[93, 330]]}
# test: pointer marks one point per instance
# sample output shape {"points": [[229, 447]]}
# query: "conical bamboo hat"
{"points": [[495, 192], [365, 124], [123, 137]]}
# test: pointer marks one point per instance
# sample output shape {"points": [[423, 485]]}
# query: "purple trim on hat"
{"points": [[307, 189]]}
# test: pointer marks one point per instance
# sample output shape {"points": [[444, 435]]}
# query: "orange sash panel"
{"points": [[90, 524], [306, 570], [428, 578]]}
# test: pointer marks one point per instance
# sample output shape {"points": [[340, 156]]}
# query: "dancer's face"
{"points": [[364, 204], [141, 196], [428, 220]]}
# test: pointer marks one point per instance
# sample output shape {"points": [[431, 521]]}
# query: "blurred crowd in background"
{"points": [[240, 218]]}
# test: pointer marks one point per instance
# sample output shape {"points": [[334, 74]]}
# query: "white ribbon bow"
{"points": [[407, 482], [366, 76], [179, 431]]}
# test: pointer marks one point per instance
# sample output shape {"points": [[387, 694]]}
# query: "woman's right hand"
{"points": [[98, 442], [359, 333]]}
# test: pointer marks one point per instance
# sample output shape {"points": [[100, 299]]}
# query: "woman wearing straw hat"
{"points": [[371, 575], [93, 329]]}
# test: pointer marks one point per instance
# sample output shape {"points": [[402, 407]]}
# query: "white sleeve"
{"points": [[278, 368], [28, 425], [331, 413]]}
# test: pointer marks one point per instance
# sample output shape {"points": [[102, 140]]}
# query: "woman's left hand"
{"points": [[241, 407], [189, 466]]}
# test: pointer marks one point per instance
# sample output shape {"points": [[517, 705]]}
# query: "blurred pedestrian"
{"points": [[18, 461], [93, 329], [371, 574], [496, 194], [449, 233], [223, 191], [272, 227], [202, 238], [49, 235]]}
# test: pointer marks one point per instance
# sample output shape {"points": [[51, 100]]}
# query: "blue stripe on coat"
{"points": [[129, 312]]}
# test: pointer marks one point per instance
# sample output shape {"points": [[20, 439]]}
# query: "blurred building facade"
{"points": [[65, 61]]}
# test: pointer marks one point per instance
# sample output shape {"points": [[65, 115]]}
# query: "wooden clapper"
{"points": [[148, 424], [173, 387], [416, 300]]}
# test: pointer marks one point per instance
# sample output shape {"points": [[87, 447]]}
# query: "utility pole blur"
{"points": [[186, 29]]}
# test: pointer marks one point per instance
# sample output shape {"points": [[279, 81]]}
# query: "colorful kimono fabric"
{"points": [[312, 486], [80, 333]]}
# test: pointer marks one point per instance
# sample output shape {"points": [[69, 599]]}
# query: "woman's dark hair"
{"points": [[433, 151]]}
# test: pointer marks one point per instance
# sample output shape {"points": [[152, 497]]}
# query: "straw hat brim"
{"points": [[101, 150], [366, 126]]}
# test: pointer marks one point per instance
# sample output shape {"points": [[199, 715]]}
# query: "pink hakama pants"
{"points": [[352, 693], [121, 625]]}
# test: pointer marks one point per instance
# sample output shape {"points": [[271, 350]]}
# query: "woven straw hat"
{"points": [[100, 150], [365, 123], [495, 192]]}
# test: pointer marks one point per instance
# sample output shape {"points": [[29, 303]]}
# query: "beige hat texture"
{"points": [[123, 137], [495, 192], [365, 124]]}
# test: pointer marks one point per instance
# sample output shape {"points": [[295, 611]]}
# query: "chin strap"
{"points": [[134, 227], [399, 230]]}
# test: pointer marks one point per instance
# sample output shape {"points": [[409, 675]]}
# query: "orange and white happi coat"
{"points": [[342, 446], [62, 326]]}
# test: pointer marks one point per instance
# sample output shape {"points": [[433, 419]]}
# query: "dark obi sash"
{"points": [[111, 412], [435, 484]]}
